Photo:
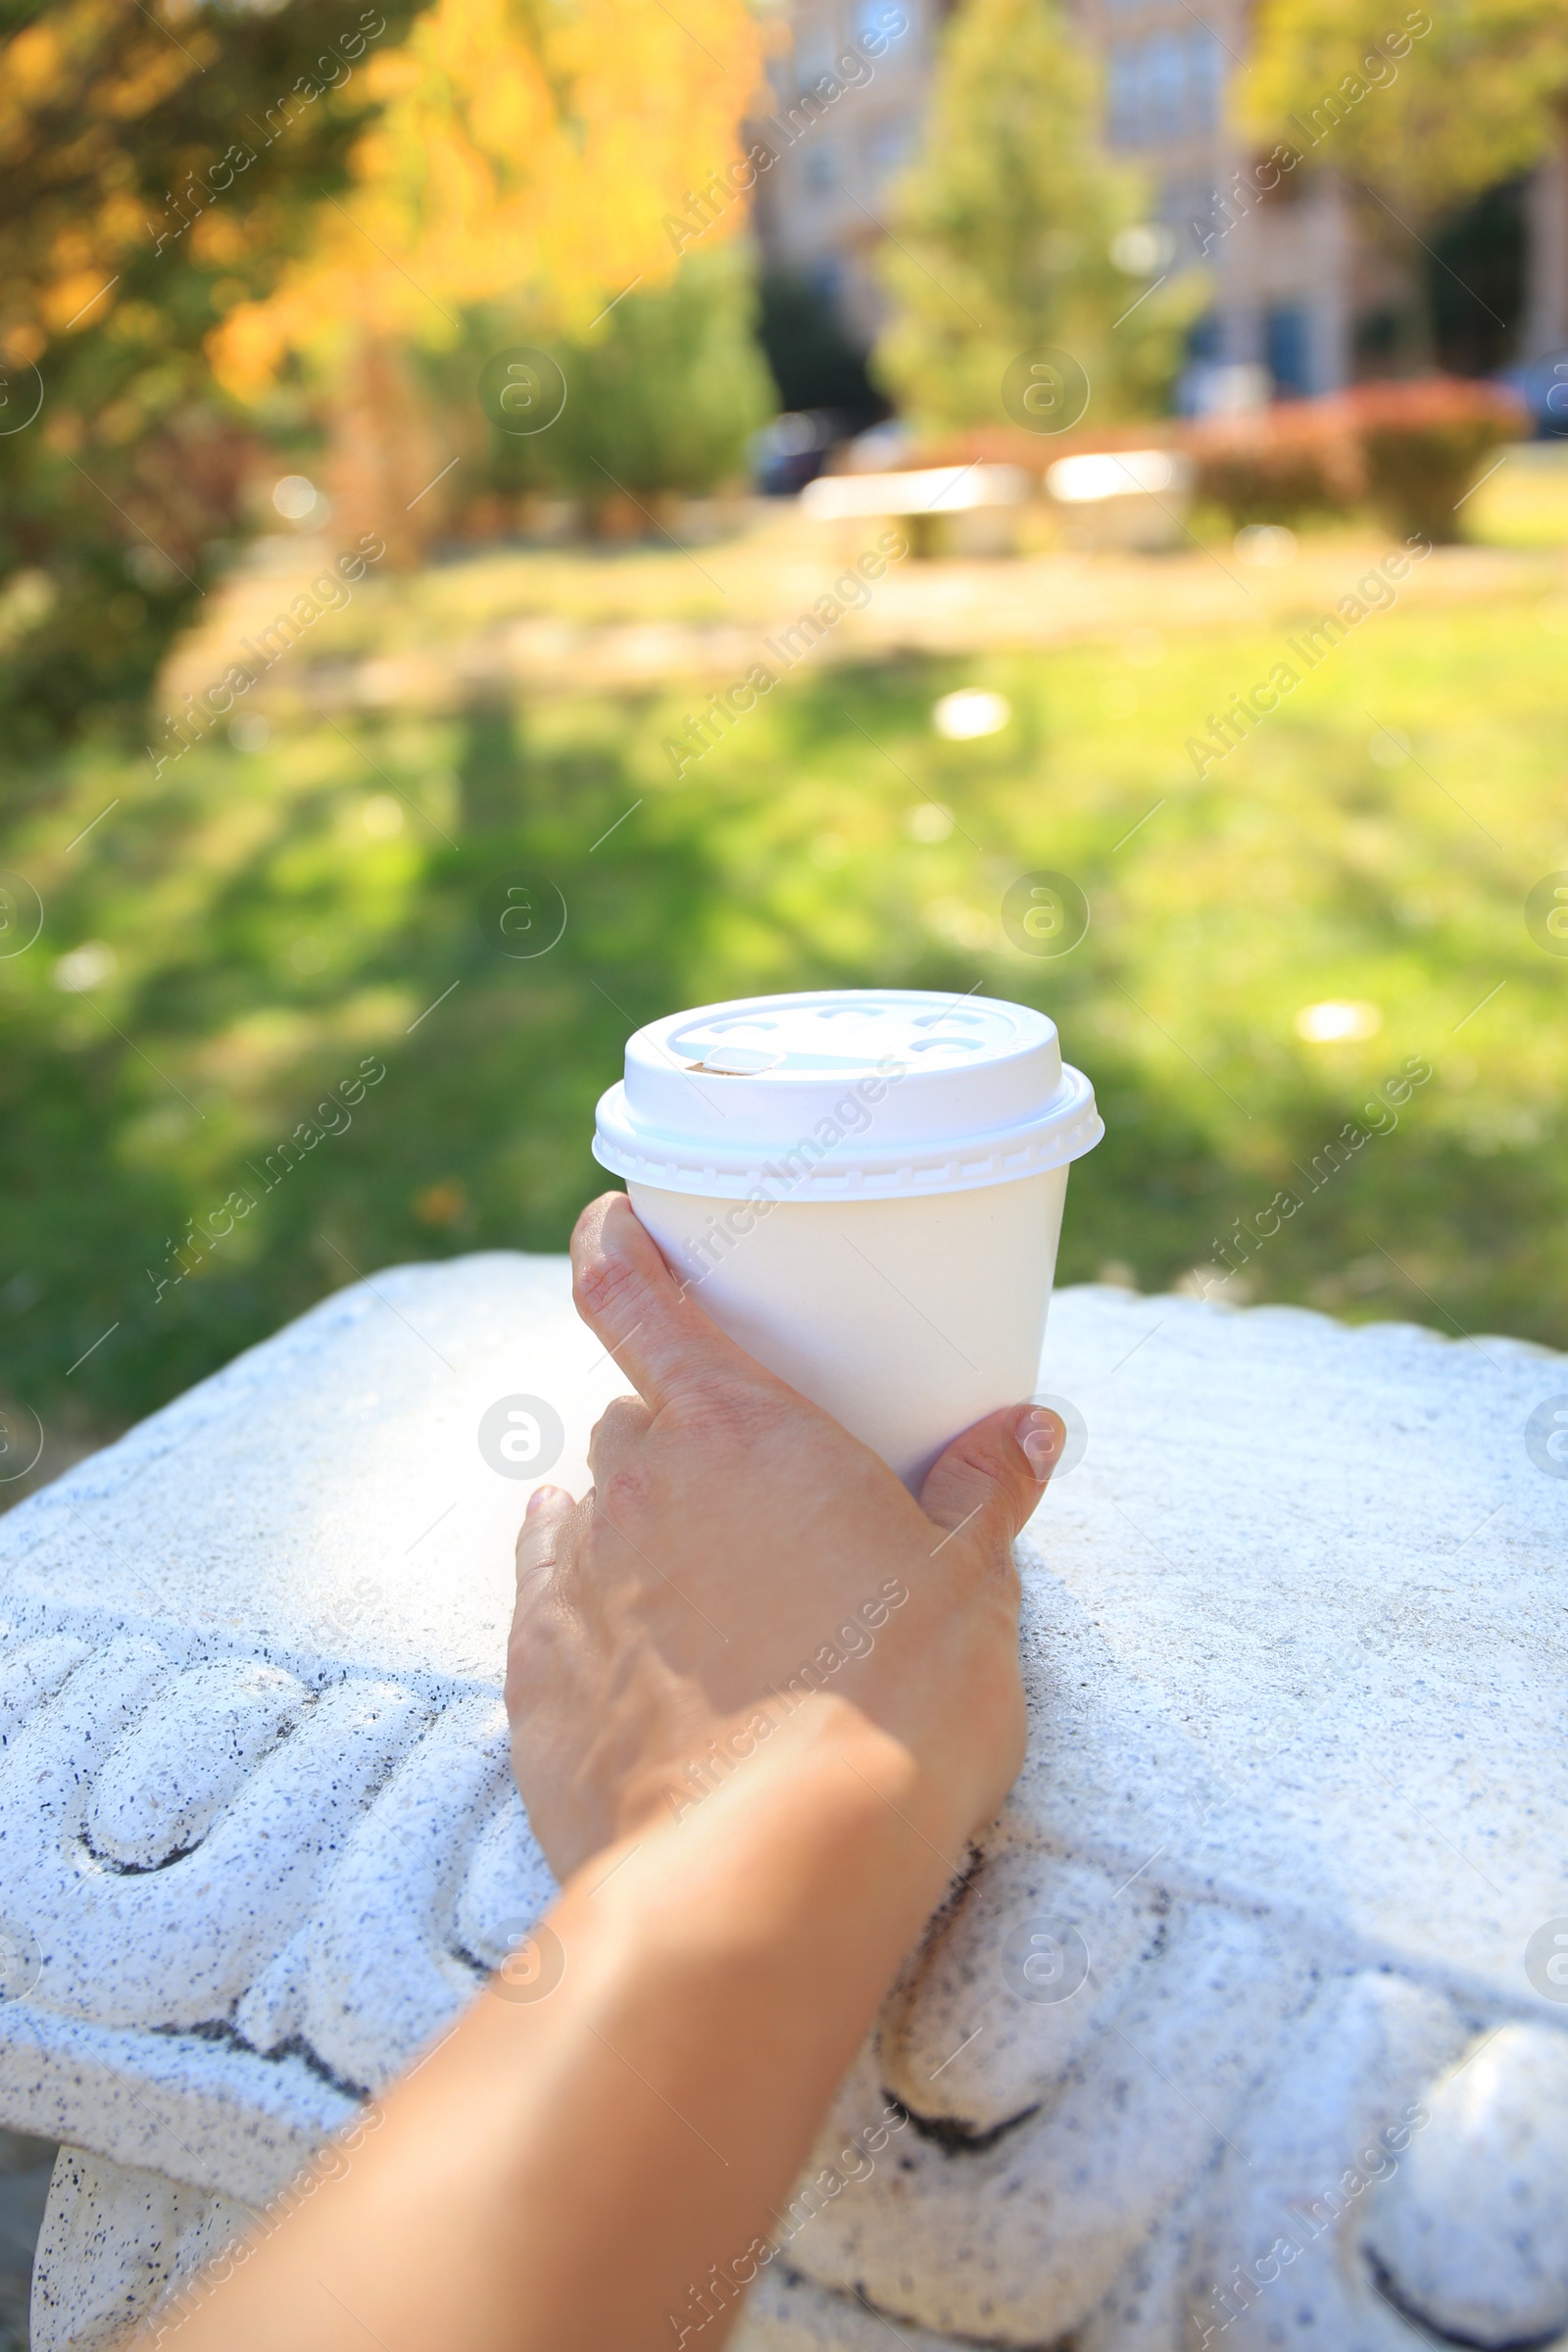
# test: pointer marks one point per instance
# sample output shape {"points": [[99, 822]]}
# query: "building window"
{"points": [[880, 19], [819, 166], [1165, 89], [888, 148], [1287, 350], [813, 57], [1191, 207]]}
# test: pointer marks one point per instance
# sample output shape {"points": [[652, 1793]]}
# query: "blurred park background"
{"points": [[416, 421]]}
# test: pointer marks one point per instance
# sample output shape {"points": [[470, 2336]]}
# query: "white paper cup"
{"points": [[864, 1189]]}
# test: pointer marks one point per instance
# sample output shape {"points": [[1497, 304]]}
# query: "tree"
{"points": [[154, 172], [212, 218], [521, 151], [1002, 232], [529, 172], [1426, 115], [664, 399]]}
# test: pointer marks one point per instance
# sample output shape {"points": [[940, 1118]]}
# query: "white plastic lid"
{"points": [[870, 1094]]}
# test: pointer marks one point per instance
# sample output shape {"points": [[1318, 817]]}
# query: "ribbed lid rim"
{"points": [[1061, 1131]]}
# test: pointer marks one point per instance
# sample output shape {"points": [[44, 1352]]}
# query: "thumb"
{"points": [[644, 1319], [993, 1475]]}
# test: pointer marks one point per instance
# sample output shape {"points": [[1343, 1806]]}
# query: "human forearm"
{"points": [[760, 1946], [718, 1975], [759, 1699]]}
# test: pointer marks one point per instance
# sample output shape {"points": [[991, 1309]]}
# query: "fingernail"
{"points": [[1039, 1434], [536, 1499]]}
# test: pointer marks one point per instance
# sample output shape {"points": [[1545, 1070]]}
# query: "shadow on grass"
{"points": [[254, 936]]}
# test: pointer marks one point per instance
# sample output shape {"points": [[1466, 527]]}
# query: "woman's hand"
{"points": [[786, 1693], [746, 1581]]}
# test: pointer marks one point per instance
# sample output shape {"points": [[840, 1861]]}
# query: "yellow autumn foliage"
{"points": [[527, 150], [1427, 106], [70, 84]]}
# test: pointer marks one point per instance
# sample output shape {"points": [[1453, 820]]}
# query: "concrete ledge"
{"points": [[1272, 1886]]}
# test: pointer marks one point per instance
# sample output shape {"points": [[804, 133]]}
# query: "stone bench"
{"points": [[1247, 2029], [967, 509], [1127, 498]]}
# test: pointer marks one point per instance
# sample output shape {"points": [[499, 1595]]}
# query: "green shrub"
{"points": [[1421, 444], [1409, 450], [660, 403], [1281, 464]]}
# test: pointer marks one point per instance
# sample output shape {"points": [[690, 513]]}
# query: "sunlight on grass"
{"points": [[1524, 501], [274, 923]]}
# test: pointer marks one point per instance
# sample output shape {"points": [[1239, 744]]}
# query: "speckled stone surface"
{"points": [[1243, 2029]]}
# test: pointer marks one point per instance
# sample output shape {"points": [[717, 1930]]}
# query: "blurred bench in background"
{"points": [[950, 509]]}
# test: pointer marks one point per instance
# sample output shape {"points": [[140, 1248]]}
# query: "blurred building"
{"points": [[820, 209], [1308, 295]]}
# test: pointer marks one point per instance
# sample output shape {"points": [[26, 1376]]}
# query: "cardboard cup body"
{"points": [[864, 1188], [906, 1320]]}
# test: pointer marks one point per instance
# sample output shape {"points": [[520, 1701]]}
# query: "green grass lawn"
{"points": [[1522, 497], [248, 931]]}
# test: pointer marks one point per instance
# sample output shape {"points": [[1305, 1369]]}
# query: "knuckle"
{"points": [[736, 1413], [626, 1493], [981, 1462], [609, 1286], [616, 1429]]}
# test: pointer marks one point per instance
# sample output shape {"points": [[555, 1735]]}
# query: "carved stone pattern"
{"points": [[1296, 1794]]}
